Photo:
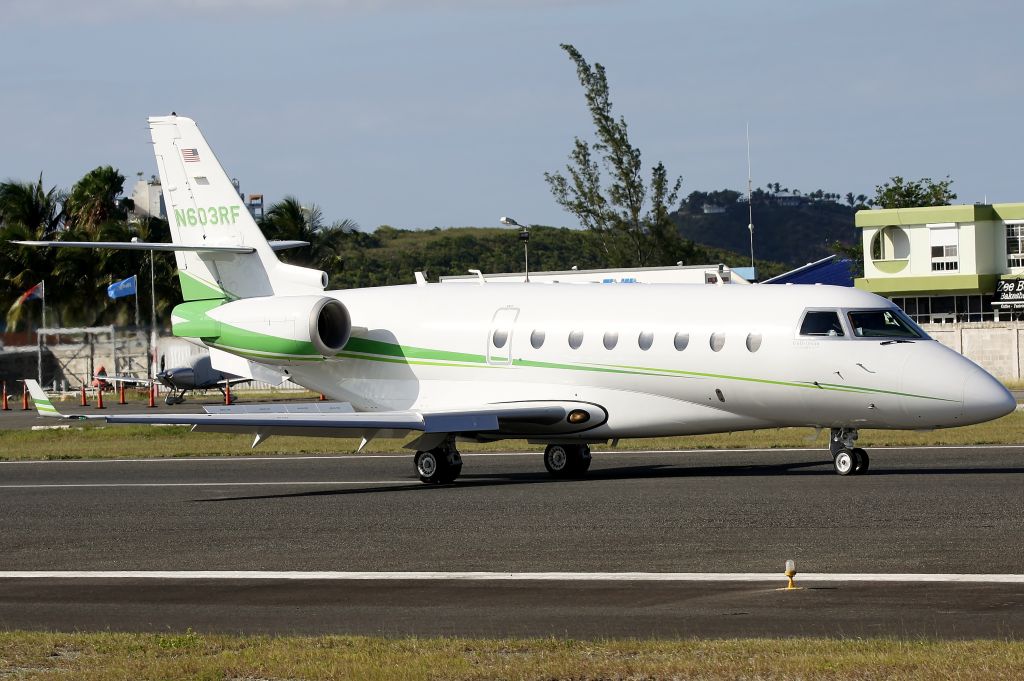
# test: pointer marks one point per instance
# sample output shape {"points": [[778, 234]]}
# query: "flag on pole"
{"points": [[37, 292], [125, 287]]}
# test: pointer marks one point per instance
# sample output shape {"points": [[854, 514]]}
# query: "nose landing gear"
{"points": [[846, 457]]}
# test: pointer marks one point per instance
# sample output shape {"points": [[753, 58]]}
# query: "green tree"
{"points": [[93, 201], [27, 204], [632, 218], [898, 192]]}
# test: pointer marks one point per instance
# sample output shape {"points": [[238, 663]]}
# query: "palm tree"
{"points": [[94, 199], [26, 204]]}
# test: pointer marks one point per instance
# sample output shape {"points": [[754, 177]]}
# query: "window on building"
{"points": [[890, 243], [1015, 244], [945, 246]]}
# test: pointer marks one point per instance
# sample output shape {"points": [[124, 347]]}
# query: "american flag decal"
{"points": [[190, 155]]}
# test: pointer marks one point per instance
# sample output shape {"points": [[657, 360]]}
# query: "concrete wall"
{"points": [[994, 345]]}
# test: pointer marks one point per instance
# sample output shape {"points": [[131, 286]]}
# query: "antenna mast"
{"points": [[750, 204]]}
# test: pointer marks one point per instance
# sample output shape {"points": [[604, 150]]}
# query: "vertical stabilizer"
{"points": [[203, 207]]}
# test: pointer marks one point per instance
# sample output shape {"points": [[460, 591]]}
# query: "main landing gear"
{"points": [[567, 461], [439, 465], [847, 458]]}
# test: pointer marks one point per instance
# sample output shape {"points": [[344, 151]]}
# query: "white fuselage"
{"points": [[744, 364]]}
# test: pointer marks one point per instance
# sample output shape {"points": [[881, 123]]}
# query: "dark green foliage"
{"points": [[794, 235], [901, 193]]}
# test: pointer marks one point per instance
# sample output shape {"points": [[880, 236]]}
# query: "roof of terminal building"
{"points": [[936, 214]]}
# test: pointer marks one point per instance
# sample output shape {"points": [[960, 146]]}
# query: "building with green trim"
{"points": [[946, 264]]}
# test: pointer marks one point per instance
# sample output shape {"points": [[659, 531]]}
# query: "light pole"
{"points": [[524, 236]]}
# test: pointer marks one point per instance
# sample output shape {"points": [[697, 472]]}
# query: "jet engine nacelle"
{"points": [[273, 329]]}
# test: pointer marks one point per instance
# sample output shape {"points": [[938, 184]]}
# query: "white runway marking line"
{"points": [[276, 483], [771, 577], [601, 452]]}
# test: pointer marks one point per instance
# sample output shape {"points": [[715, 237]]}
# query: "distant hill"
{"points": [[794, 235], [390, 256]]}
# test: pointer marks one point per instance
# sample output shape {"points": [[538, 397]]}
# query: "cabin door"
{"points": [[499, 337]]}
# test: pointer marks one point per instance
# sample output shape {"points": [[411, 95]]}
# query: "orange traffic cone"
{"points": [[120, 393], [227, 393], [152, 395], [99, 398], [24, 396], [85, 400], [6, 406]]}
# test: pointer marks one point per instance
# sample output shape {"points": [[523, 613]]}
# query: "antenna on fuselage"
{"points": [[750, 202]]}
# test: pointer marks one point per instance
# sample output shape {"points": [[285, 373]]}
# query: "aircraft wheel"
{"points": [[862, 462], [845, 462], [438, 466], [567, 461]]}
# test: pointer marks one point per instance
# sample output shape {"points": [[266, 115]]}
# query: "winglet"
{"points": [[42, 402]]}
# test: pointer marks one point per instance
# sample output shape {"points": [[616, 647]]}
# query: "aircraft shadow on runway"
{"points": [[652, 471]]}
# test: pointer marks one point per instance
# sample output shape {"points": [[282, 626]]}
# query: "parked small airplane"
{"points": [[566, 365], [196, 374]]}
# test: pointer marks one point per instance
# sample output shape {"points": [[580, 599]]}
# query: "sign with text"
{"points": [[1009, 293]]}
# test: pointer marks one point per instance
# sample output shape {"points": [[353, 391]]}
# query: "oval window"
{"points": [[645, 340], [681, 341], [611, 339], [499, 337], [537, 339], [717, 341], [575, 339], [753, 342]]}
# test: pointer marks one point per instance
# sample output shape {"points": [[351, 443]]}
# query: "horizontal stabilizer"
{"points": [[285, 245], [142, 246]]}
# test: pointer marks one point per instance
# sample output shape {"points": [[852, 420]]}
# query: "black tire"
{"points": [[567, 461], [438, 466], [845, 462], [862, 461]]}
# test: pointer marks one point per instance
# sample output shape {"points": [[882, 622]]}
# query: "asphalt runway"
{"points": [[935, 510]]}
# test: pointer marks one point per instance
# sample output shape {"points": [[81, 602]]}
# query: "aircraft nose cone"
{"points": [[985, 398]]}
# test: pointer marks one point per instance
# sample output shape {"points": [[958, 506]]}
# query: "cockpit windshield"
{"points": [[887, 323]]}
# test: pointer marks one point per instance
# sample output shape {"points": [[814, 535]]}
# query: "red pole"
{"points": [[227, 393], [85, 400], [6, 406], [152, 395], [323, 398], [99, 398], [24, 396], [120, 393]]}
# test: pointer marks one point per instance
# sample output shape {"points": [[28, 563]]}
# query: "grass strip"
{"points": [[106, 442], [189, 655]]}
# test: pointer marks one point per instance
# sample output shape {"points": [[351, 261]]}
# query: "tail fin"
{"points": [[203, 207], [40, 400]]}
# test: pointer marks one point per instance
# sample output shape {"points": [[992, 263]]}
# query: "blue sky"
{"points": [[448, 112]]}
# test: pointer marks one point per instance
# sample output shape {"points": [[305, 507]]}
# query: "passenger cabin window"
{"points": [[753, 342], [537, 339], [821, 323], [681, 341], [499, 337], [645, 340], [883, 324], [575, 339], [717, 341], [611, 339]]}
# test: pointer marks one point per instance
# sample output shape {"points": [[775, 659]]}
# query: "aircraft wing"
{"points": [[109, 378], [142, 246], [337, 420]]}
